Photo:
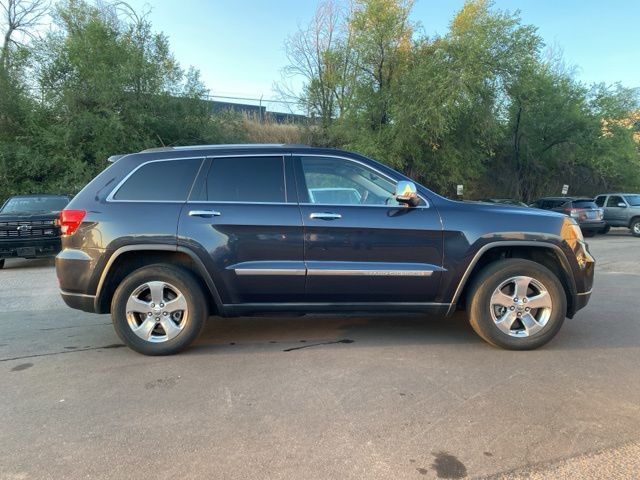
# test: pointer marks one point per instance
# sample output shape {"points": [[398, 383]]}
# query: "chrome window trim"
{"points": [[342, 157], [113, 192], [227, 202], [110, 198]]}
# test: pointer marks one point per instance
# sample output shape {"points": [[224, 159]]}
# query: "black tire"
{"points": [[488, 281], [605, 230], [635, 227], [196, 303], [1, 263]]}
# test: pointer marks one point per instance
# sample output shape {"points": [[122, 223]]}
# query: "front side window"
{"points": [[160, 181], [246, 179], [614, 201], [337, 181]]}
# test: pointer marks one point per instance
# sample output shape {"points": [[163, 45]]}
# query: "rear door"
{"points": [[361, 246], [244, 222]]}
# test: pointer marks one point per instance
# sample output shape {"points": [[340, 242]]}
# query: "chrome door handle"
{"points": [[204, 213], [325, 216]]}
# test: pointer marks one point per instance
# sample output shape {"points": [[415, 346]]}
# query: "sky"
{"points": [[238, 45]]}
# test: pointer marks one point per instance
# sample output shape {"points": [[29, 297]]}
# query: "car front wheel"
{"points": [[635, 227], [516, 304], [159, 310]]}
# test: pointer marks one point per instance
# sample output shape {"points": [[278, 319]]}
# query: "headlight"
{"points": [[571, 232]]}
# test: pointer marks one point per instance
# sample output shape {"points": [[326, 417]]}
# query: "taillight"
{"points": [[573, 212], [70, 220]]}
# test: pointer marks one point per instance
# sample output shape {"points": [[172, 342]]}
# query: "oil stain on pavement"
{"points": [[22, 366]]}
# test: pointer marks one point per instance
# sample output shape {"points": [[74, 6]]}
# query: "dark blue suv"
{"points": [[164, 238]]}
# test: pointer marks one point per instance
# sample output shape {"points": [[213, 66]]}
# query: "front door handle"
{"points": [[325, 216], [204, 213]]}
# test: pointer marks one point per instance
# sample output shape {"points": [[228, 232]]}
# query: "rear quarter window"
{"points": [[160, 181]]}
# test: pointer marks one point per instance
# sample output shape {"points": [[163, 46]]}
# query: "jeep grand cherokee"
{"points": [[164, 238]]}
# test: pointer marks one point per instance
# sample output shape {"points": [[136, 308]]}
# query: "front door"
{"points": [[360, 244], [614, 213], [245, 224]]}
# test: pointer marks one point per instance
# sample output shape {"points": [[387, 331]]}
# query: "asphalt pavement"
{"points": [[321, 397]]}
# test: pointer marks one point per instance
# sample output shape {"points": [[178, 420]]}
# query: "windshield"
{"points": [[633, 200], [34, 204]]}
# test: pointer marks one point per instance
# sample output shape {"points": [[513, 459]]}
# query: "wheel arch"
{"points": [[127, 259], [546, 254]]}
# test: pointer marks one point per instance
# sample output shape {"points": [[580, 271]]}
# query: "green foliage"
{"points": [[482, 105], [102, 82]]}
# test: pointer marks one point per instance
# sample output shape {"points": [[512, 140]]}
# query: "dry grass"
{"points": [[271, 132]]}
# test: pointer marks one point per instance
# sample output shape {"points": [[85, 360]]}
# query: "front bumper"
{"points": [[584, 272], [30, 248]]}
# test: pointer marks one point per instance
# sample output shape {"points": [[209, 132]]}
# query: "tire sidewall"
{"points": [[183, 281], [490, 279], [633, 224]]}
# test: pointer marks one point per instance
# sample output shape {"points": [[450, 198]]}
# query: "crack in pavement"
{"points": [[75, 326], [345, 340], [114, 345]]}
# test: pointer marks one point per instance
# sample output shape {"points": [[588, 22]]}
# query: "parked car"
{"points": [[589, 216], [28, 226], [162, 239], [621, 210], [505, 201]]}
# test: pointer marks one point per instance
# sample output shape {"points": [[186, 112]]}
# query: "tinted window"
{"points": [[614, 201], [337, 181], [584, 204], [160, 181], [35, 204], [600, 201], [246, 179]]}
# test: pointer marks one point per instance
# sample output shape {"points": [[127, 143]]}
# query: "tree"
{"points": [[19, 17], [321, 55]]}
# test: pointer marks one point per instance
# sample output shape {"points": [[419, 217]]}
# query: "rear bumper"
{"points": [[30, 248], [591, 226], [79, 301]]}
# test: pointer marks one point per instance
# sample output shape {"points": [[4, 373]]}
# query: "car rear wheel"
{"points": [[516, 304], [635, 227], [159, 310]]}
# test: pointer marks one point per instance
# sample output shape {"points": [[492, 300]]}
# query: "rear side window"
{"points": [[600, 201], [246, 179], [168, 181]]}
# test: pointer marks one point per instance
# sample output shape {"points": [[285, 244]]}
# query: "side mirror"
{"points": [[622, 205], [406, 193]]}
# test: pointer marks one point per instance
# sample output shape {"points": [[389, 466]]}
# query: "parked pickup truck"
{"points": [[621, 210], [29, 226]]}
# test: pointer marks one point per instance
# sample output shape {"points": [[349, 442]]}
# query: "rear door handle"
{"points": [[204, 213], [325, 216]]}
